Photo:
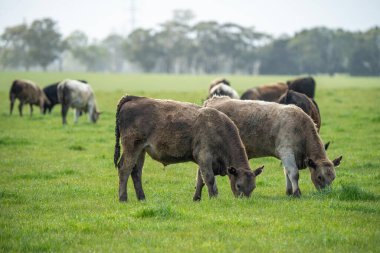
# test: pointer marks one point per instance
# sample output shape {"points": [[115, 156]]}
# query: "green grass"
{"points": [[58, 186]]}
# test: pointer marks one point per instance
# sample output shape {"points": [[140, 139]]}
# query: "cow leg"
{"points": [[64, 109], [209, 178], [129, 159], [20, 108], [31, 110], [292, 173], [76, 115], [13, 99], [198, 189], [137, 175], [289, 189]]}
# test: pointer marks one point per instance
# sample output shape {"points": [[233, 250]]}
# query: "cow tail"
{"points": [[116, 156]]}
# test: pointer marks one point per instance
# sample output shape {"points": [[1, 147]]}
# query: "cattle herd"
{"points": [[279, 120]]}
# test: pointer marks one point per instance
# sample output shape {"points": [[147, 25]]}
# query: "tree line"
{"points": [[179, 46]]}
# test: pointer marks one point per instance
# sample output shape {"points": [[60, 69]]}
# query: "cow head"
{"points": [[95, 116], [323, 172], [243, 182]]}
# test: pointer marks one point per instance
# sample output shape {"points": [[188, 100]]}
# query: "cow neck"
{"points": [[314, 147]]}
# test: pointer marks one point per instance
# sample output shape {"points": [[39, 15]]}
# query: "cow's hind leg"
{"points": [[292, 174], [20, 108], [76, 115], [64, 109], [137, 175], [198, 188], [128, 162]]}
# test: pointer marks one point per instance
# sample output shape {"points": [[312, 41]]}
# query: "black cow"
{"points": [[305, 85], [51, 93]]}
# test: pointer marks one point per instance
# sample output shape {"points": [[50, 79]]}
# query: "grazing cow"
{"points": [[308, 105], [78, 95], [218, 81], [223, 90], [51, 93], [222, 87], [28, 93], [304, 85], [281, 131], [174, 132], [268, 92]]}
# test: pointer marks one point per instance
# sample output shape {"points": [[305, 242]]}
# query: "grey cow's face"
{"points": [[95, 116], [323, 174], [243, 182]]}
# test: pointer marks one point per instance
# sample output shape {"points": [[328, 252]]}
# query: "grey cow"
{"points": [[281, 131]]}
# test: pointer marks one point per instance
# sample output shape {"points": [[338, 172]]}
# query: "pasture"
{"points": [[59, 188]]}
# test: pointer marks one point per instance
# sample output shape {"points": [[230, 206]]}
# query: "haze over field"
{"points": [[100, 18]]}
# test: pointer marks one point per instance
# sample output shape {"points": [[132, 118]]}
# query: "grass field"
{"points": [[58, 185]]}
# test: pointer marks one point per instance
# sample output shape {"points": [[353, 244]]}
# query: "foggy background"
{"points": [[244, 37]]}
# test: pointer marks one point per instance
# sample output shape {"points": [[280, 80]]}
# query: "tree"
{"points": [[15, 49], [44, 42], [115, 44]]}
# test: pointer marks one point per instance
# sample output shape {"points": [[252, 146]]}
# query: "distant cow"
{"points": [[268, 92], [221, 87], [219, 81], [78, 95], [51, 93], [308, 105], [304, 85], [174, 132], [281, 131], [28, 93]]}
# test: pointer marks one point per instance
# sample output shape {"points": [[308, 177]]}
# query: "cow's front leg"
{"points": [[209, 179], [198, 188], [31, 109], [289, 188], [292, 174], [64, 110]]}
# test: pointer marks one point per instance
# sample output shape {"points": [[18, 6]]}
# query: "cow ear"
{"points": [[327, 145], [232, 171], [336, 161], [311, 164], [258, 170]]}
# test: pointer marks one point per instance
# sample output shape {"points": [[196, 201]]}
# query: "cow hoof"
{"points": [[297, 193], [196, 198], [289, 192], [123, 199]]}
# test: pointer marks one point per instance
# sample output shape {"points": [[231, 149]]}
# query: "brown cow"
{"points": [[281, 131], [174, 132], [308, 105], [268, 92], [28, 93], [305, 85]]}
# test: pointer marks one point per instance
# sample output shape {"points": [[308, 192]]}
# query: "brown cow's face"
{"points": [[243, 182], [323, 174]]}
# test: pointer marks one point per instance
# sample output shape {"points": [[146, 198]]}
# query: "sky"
{"points": [[276, 17]]}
